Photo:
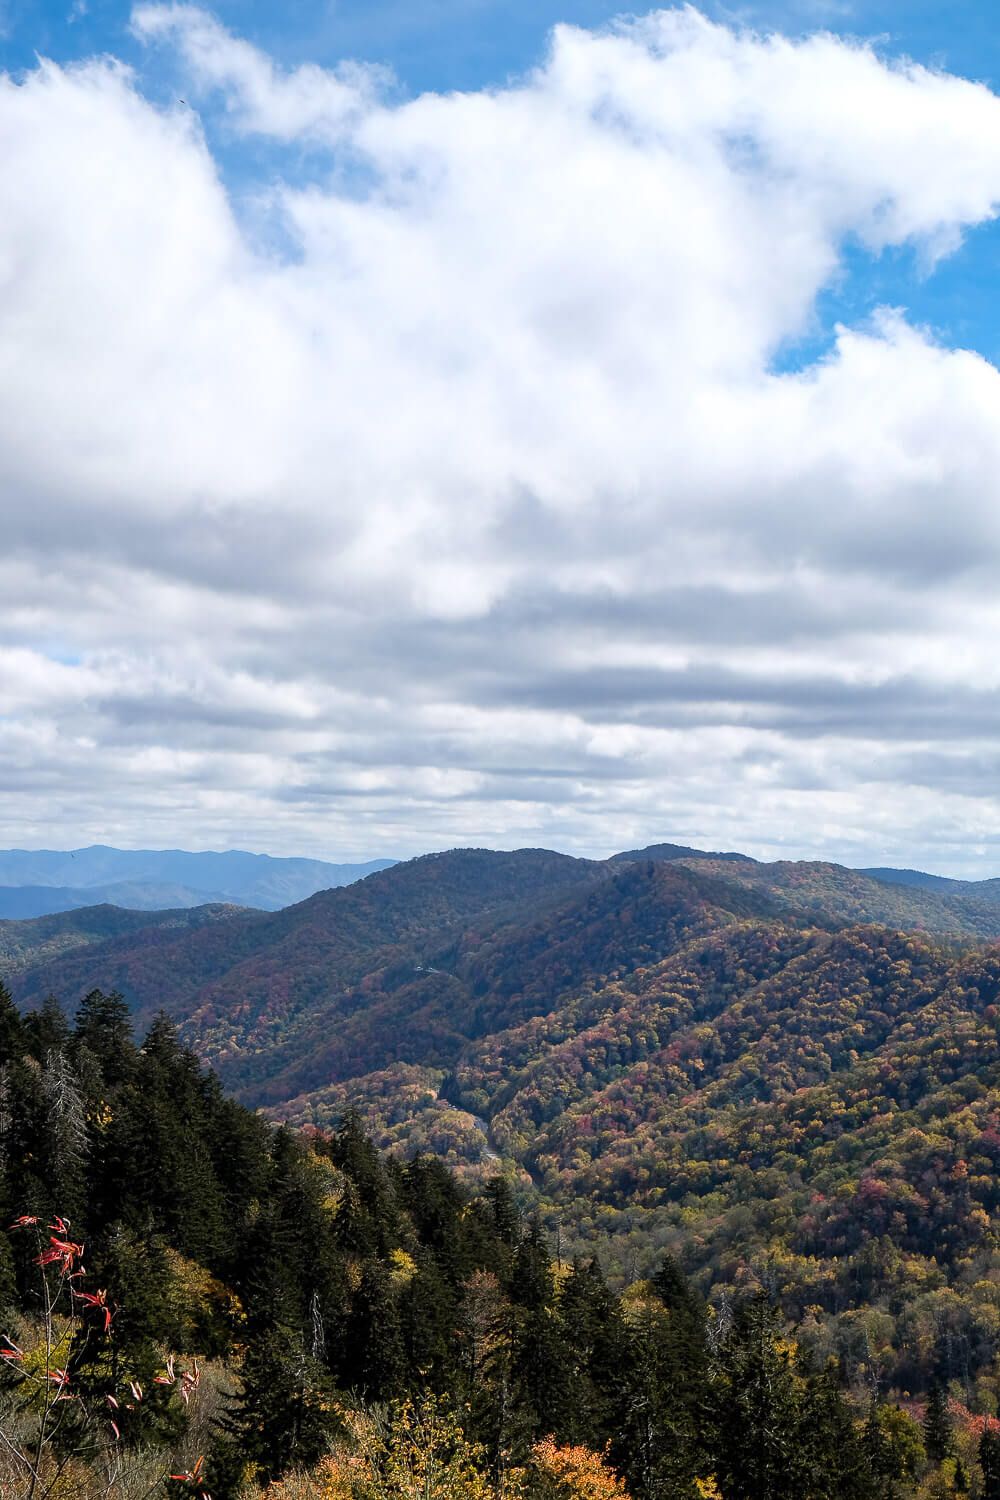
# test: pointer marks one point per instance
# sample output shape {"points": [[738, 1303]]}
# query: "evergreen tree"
{"points": [[372, 1359], [434, 1202], [66, 1140], [541, 1386], [532, 1285], [833, 1452], [503, 1213], [938, 1439], [989, 1458], [8, 1281], [283, 1417], [374, 1216], [47, 1029], [428, 1315], [104, 1027], [879, 1460], [13, 1039], [759, 1418], [593, 1334]]}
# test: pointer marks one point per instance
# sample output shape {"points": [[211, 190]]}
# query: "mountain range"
{"points": [[41, 882], [766, 1067]]}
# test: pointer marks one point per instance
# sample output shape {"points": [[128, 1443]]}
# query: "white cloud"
{"points": [[482, 514], [310, 104]]}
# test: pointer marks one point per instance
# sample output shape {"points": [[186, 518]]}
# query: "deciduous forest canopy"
{"points": [[742, 1119]]}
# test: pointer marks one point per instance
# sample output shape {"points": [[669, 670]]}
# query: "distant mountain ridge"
{"points": [[39, 882], [674, 851], [39, 940], [410, 963], [891, 876]]}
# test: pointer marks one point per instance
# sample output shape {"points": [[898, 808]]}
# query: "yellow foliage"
{"points": [[417, 1451], [577, 1473], [404, 1268], [196, 1297]]}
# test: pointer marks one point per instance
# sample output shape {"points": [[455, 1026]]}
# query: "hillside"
{"points": [[742, 1063], [45, 940], [818, 1108], [918, 878], [37, 882], [829, 892], [23, 902], [414, 963], [240, 1306], [251, 991]]}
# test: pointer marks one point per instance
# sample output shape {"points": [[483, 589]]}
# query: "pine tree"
{"points": [[13, 1040], [372, 1359], [506, 1220], [104, 1027], [833, 1452], [47, 1029], [938, 1438], [283, 1417], [877, 1454], [759, 1419], [592, 1331], [541, 1373], [532, 1284], [989, 1458], [428, 1315], [434, 1201], [66, 1137]]}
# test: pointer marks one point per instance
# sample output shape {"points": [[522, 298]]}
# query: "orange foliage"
{"points": [[579, 1473]]}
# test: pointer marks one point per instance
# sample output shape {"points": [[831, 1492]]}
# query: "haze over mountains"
{"points": [[44, 882], [39, 882]]}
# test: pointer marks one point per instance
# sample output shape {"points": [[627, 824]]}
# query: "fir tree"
{"points": [[989, 1459], [541, 1384], [593, 1335], [13, 1039], [759, 1416], [66, 1138], [938, 1438], [879, 1460], [532, 1284], [833, 1452], [104, 1027], [282, 1418], [428, 1315], [47, 1029], [503, 1212], [372, 1360]]}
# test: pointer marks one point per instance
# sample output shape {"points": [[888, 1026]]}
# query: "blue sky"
{"points": [[508, 456], [470, 44], [435, 44]]}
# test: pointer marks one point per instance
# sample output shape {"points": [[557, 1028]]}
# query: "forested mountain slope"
{"points": [[40, 941], [249, 988], [192, 1303], [710, 1057], [833, 893]]}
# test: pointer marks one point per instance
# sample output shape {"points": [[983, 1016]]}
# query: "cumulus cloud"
{"points": [[446, 482]]}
